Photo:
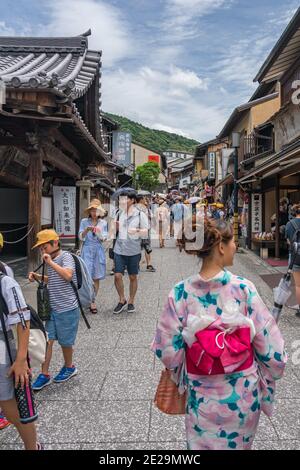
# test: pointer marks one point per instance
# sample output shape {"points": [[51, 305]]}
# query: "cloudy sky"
{"points": [[176, 65]]}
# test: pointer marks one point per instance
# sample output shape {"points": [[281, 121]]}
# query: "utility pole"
{"points": [[236, 145]]}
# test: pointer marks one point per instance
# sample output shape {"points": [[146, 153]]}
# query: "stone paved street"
{"points": [[109, 404]]}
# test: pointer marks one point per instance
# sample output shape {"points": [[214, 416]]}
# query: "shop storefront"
{"points": [[273, 187]]}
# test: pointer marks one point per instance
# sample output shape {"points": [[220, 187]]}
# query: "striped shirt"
{"points": [[62, 296]]}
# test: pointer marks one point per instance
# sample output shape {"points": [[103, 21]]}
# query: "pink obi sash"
{"points": [[220, 351]]}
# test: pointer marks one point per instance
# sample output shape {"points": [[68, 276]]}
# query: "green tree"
{"points": [[152, 139], [146, 176]]}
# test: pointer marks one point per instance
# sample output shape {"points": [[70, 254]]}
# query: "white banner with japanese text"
{"points": [[64, 198]]}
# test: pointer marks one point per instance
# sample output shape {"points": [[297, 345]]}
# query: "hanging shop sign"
{"points": [[121, 152], [211, 165], [65, 210], [256, 212]]}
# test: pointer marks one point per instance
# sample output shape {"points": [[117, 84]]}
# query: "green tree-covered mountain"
{"points": [[158, 141]]}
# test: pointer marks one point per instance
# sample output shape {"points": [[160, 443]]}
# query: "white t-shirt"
{"points": [[126, 244], [14, 299]]}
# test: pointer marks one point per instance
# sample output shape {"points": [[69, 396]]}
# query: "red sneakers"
{"points": [[3, 422]]}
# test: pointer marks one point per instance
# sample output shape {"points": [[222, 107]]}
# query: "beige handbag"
{"points": [[37, 346]]}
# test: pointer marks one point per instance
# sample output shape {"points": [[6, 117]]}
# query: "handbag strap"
{"points": [[80, 305], [117, 232], [43, 272]]}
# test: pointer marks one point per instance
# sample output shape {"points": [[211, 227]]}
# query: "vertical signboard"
{"points": [[121, 151], [65, 210], [256, 212], [211, 165]]}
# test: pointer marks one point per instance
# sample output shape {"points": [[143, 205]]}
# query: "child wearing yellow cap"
{"points": [[64, 320]]}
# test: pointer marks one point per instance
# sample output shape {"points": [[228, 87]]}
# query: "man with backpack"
{"points": [[131, 227], [65, 313], [292, 233]]}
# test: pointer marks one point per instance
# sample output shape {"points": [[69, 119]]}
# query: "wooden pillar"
{"points": [[277, 202], [35, 205], [84, 195]]}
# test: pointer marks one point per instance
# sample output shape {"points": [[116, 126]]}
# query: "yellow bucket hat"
{"points": [[1, 240], [45, 236], [95, 204]]}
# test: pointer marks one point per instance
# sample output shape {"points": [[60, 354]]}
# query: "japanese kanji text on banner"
{"points": [[65, 210]]}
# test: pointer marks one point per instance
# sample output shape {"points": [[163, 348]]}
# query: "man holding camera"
{"points": [[131, 227], [143, 205]]}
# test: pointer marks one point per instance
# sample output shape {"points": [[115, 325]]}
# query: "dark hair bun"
{"points": [[215, 232]]}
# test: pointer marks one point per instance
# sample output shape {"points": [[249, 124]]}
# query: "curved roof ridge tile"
{"points": [[26, 68], [17, 63], [41, 68]]}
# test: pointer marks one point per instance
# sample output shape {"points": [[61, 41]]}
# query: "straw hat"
{"points": [[45, 236], [95, 204]]}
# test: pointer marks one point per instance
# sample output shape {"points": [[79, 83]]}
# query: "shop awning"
{"points": [[275, 163], [227, 180]]}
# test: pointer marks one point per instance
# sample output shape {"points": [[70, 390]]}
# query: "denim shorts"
{"points": [[129, 262], [63, 327], [7, 389]]}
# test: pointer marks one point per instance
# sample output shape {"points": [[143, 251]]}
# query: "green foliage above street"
{"points": [[158, 141], [146, 176]]}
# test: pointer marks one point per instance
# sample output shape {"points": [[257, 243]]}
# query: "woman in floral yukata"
{"points": [[223, 346]]}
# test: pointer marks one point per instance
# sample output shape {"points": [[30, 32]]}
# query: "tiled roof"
{"points": [[65, 65]]}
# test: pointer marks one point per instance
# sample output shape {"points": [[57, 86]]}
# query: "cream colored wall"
{"points": [[257, 115], [141, 157], [244, 124], [262, 112]]}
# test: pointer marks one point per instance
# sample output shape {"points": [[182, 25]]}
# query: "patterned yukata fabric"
{"points": [[222, 410]]}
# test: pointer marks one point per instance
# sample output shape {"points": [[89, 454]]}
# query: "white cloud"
{"points": [[240, 62], [110, 33], [149, 97], [22, 29], [173, 130], [282, 19], [196, 7], [187, 79], [181, 16], [6, 30]]}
